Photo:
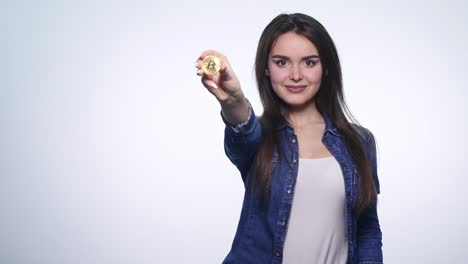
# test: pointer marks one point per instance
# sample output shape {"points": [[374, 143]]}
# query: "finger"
{"points": [[198, 63], [224, 64], [217, 92], [209, 84], [200, 72], [199, 60], [214, 89], [209, 52], [211, 87]]}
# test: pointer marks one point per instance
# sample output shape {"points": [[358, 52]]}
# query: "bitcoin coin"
{"points": [[211, 65]]}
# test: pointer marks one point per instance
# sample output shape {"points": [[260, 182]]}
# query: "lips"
{"points": [[295, 88]]}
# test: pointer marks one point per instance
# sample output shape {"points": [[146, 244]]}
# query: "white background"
{"points": [[111, 150]]}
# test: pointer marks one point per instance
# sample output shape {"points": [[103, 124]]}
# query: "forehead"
{"points": [[293, 45]]}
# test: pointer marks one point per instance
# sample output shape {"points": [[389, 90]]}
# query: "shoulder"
{"points": [[364, 133]]}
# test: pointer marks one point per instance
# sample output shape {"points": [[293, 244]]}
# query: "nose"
{"points": [[295, 73]]}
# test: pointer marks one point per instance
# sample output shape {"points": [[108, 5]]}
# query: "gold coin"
{"points": [[211, 65]]}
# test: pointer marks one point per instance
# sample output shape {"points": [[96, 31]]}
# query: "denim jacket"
{"points": [[261, 231]]}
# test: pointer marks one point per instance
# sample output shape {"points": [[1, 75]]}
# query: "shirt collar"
{"points": [[329, 126]]}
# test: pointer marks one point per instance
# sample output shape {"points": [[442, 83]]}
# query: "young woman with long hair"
{"points": [[309, 169]]}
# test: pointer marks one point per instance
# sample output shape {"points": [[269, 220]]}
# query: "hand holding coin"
{"points": [[220, 80], [218, 76]]}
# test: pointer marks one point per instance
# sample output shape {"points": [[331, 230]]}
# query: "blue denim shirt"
{"points": [[261, 231]]}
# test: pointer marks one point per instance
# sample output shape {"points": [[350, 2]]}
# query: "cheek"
{"points": [[315, 75], [278, 76]]}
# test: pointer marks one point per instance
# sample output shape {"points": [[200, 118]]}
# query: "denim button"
{"points": [[289, 190], [283, 222], [293, 141], [294, 160], [277, 253]]}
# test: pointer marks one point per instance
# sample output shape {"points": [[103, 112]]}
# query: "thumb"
{"points": [[211, 84], [214, 89]]}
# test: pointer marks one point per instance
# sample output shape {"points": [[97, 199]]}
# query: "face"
{"points": [[294, 69]]}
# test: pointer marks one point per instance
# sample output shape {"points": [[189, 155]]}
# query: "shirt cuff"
{"points": [[243, 127]]}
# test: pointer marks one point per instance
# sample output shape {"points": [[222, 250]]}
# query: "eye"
{"points": [[310, 62], [281, 63]]}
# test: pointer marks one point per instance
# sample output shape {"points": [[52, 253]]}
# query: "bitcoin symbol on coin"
{"points": [[211, 65]]}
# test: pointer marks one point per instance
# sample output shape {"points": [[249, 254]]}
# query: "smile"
{"points": [[295, 88]]}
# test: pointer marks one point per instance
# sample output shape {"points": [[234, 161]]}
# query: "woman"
{"points": [[310, 175]]}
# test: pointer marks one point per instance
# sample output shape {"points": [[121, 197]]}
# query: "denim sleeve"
{"points": [[369, 235], [241, 142]]}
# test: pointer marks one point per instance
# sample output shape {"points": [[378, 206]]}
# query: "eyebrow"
{"points": [[287, 58]]}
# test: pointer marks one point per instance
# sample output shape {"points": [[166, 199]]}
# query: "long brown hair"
{"points": [[329, 100]]}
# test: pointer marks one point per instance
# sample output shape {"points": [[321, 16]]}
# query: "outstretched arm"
{"points": [[241, 141], [243, 131]]}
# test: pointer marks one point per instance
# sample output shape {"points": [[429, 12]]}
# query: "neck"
{"points": [[307, 114]]}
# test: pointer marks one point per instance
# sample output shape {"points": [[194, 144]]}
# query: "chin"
{"points": [[297, 101]]}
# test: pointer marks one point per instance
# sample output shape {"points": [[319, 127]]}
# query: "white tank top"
{"points": [[316, 232]]}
